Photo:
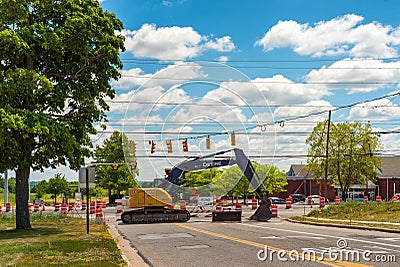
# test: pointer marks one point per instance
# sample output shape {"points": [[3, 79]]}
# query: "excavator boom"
{"points": [[263, 213]]}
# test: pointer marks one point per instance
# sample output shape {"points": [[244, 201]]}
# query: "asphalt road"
{"points": [[200, 242]]}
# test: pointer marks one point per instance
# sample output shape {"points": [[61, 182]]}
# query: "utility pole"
{"points": [[326, 156], [5, 187]]}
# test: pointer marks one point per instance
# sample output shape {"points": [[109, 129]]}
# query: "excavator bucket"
{"points": [[262, 213]]}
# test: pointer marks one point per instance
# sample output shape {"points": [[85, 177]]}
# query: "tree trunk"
{"points": [[22, 198]]}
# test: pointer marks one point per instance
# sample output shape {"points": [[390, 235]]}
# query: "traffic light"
{"points": [[133, 165], [208, 142], [233, 139], [115, 166], [133, 144], [185, 145], [169, 146], [153, 147]]}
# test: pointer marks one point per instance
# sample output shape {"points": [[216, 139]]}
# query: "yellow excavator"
{"points": [[150, 205]]}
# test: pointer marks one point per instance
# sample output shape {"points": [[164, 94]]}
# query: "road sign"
{"points": [[205, 201], [82, 175]]}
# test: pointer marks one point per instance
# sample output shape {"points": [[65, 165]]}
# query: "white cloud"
{"points": [[382, 109], [176, 73], [339, 36], [223, 59], [357, 75], [172, 43]]}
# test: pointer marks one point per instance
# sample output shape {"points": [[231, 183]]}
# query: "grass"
{"points": [[358, 211], [57, 240]]}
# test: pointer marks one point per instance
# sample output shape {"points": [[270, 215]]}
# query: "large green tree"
{"points": [[56, 62], [57, 185], [351, 154], [117, 149]]}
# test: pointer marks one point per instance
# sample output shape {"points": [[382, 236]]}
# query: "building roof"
{"points": [[390, 167], [299, 170]]}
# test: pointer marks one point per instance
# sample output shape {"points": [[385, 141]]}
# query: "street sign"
{"points": [[83, 185], [205, 201], [82, 175]]}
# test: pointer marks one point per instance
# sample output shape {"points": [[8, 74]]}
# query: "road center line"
{"points": [[325, 261], [323, 235]]}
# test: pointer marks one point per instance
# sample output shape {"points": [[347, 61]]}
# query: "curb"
{"points": [[394, 231]]}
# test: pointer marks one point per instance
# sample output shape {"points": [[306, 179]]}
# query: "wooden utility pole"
{"points": [[325, 183]]}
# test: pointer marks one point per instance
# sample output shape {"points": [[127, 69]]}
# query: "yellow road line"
{"points": [[325, 261]]}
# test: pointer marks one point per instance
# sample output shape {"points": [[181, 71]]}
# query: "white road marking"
{"points": [[322, 235], [305, 237], [271, 237], [389, 238]]}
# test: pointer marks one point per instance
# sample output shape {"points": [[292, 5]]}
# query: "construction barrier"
{"points": [[218, 206], [99, 204], [57, 207], [309, 200], [77, 205], [119, 207], [8, 207], [337, 200], [378, 199], [83, 205], [394, 198], [30, 208], [183, 204], [254, 204], [1, 210], [99, 214], [104, 204], [288, 203], [365, 198], [70, 206], [36, 207], [238, 206], [274, 210], [92, 207], [64, 209], [322, 202]]}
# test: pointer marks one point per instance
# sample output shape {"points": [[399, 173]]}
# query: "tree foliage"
{"points": [[58, 185], [56, 61], [114, 150], [351, 151]]}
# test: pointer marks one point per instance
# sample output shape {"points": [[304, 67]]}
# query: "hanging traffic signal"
{"points": [[169, 146], [153, 147], [185, 145], [133, 144], [115, 166], [208, 142], [233, 139]]}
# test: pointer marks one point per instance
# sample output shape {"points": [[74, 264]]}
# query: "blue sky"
{"points": [[198, 67]]}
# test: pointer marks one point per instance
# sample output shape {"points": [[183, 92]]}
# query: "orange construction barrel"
{"points": [[274, 210], [337, 200], [254, 203], [378, 198]]}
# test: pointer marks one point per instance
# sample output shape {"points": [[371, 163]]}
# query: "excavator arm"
{"points": [[175, 175]]}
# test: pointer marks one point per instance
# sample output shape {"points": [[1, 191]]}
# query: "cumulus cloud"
{"points": [[343, 35], [172, 43], [382, 109], [357, 75], [172, 74]]}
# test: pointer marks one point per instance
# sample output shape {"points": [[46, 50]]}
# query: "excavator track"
{"points": [[154, 215]]}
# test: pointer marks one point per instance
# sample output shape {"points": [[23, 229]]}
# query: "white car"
{"points": [[315, 199]]}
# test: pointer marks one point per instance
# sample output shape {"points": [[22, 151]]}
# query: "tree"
{"points": [[351, 158], [56, 62], [114, 150], [233, 180], [40, 189], [57, 185]]}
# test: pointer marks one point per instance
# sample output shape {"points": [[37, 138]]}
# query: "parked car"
{"points": [[277, 200], [298, 198]]}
